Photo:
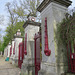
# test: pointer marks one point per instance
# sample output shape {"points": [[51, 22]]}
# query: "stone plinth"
{"points": [[28, 63], [55, 11]]}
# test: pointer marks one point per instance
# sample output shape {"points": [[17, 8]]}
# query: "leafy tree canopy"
{"points": [[17, 16], [66, 29], [9, 35]]}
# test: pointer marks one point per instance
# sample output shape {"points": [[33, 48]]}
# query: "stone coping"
{"points": [[54, 64], [31, 23], [45, 3], [12, 39], [68, 73], [18, 36], [49, 64], [31, 14], [9, 44]]}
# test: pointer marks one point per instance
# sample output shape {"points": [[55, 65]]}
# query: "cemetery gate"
{"points": [[37, 53], [21, 54], [71, 56]]}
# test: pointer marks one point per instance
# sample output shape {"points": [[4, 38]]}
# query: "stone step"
{"points": [[70, 74]]}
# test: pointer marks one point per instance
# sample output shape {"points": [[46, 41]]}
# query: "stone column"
{"points": [[12, 50], [12, 47], [1, 53], [31, 27], [55, 11], [17, 39], [5, 52], [9, 45]]}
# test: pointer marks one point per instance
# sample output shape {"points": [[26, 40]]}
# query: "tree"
{"points": [[7, 38], [1, 22], [30, 5], [25, 7], [18, 12], [17, 16], [12, 17], [66, 29], [12, 20], [1, 19], [0, 41], [9, 34]]}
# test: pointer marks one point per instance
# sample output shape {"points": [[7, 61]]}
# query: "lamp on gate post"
{"points": [[46, 50]]}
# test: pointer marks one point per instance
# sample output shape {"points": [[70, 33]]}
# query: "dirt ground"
{"points": [[8, 69]]}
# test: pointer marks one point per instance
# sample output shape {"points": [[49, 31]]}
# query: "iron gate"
{"points": [[71, 56], [21, 54], [14, 49], [10, 50], [37, 53]]}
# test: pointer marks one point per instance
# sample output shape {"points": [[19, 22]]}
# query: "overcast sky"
{"points": [[4, 12]]}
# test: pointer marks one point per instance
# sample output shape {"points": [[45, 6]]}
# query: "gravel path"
{"points": [[8, 69]]}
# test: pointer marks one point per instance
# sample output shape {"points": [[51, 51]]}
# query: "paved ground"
{"points": [[8, 69]]}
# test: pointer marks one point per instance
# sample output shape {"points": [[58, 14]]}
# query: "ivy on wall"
{"points": [[66, 29], [64, 32]]}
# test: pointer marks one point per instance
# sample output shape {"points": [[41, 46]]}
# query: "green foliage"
{"points": [[66, 29], [1, 19], [19, 25], [30, 5], [19, 10], [5, 43], [0, 45], [10, 33], [17, 15]]}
